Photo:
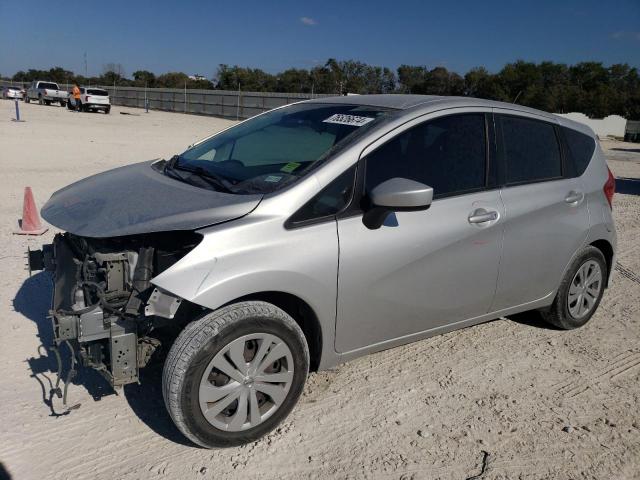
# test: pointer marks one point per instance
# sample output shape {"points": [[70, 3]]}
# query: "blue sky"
{"points": [[195, 36]]}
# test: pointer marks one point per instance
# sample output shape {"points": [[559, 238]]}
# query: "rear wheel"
{"points": [[107, 110], [235, 374], [580, 291], [47, 102], [63, 103]]}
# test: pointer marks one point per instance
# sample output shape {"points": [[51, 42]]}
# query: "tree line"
{"points": [[588, 87]]}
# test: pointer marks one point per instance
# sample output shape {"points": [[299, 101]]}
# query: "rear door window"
{"points": [[580, 148], [448, 153], [530, 149]]}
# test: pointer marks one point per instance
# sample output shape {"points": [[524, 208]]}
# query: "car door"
{"points": [[427, 269], [546, 219]]}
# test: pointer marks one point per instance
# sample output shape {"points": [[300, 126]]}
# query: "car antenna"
{"points": [[517, 96]]}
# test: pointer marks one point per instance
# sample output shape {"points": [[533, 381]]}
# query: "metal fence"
{"points": [[218, 103]]}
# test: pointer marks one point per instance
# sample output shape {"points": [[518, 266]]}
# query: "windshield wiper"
{"points": [[213, 179], [172, 162]]}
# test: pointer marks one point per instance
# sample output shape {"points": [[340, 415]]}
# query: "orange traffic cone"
{"points": [[30, 223]]}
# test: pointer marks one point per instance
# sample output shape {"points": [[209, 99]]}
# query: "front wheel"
{"points": [[580, 291], [233, 375]]}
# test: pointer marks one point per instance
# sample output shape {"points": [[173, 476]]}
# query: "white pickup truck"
{"points": [[46, 93]]}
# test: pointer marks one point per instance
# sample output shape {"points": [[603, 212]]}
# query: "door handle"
{"points": [[574, 197], [482, 216]]}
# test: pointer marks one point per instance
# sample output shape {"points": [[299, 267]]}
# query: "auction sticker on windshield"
{"points": [[290, 167], [352, 120]]}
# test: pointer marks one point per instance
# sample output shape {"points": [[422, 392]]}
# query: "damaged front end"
{"points": [[104, 306]]}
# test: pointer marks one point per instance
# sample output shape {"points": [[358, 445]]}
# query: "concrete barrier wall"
{"points": [[241, 105], [218, 103], [613, 125]]}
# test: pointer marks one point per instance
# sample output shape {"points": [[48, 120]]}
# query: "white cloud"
{"points": [[308, 21], [622, 35]]}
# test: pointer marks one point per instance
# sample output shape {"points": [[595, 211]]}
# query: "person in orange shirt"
{"points": [[76, 96]]}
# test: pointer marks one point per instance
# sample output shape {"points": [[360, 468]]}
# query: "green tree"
{"points": [[142, 78]]}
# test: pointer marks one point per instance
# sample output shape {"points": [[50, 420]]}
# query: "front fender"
{"points": [[248, 257]]}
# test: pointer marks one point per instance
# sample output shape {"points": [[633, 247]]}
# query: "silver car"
{"points": [[12, 92], [319, 232]]}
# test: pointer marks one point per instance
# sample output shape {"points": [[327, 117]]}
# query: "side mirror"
{"points": [[396, 195]]}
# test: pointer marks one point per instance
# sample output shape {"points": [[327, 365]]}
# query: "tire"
{"points": [[191, 365], [63, 103], [70, 106], [27, 99], [572, 298], [47, 102], [107, 110]]}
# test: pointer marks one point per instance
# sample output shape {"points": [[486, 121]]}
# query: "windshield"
{"points": [[272, 150]]}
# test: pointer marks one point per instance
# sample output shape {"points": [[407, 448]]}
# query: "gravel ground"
{"points": [[511, 398]]}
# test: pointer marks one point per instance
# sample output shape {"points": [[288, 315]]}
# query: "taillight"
{"points": [[88, 97], [609, 188]]}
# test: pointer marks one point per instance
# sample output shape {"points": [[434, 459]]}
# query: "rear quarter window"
{"points": [[580, 148]]}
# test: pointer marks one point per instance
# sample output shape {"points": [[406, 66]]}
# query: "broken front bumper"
{"points": [[104, 305]]}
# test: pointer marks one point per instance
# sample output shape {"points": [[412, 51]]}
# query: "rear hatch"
{"points": [[97, 96]]}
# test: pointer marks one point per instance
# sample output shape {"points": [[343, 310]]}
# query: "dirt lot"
{"points": [[528, 401]]}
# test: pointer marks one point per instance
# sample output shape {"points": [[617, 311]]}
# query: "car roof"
{"points": [[406, 102], [439, 102], [398, 101]]}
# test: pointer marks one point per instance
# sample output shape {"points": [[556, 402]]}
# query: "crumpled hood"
{"points": [[137, 199]]}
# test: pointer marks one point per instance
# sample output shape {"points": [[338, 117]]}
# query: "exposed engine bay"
{"points": [[104, 306]]}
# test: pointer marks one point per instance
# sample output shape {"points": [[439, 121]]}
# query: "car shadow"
{"points": [[531, 318], [146, 401], [33, 300], [628, 186], [4, 473], [630, 150]]}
